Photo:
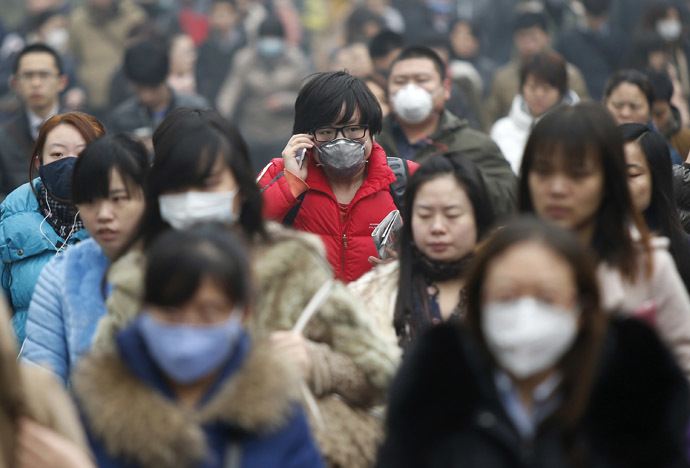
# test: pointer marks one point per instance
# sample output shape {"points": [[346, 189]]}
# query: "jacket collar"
{"points": [[127, 404]]}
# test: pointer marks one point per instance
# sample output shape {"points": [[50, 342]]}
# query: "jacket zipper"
{"points": [[342, 257]]}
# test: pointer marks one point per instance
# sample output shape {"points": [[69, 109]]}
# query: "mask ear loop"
{"points": [[50, 214]]}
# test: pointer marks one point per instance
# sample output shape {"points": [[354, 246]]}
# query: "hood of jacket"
{"points": [[125, 411], [522, 117]]}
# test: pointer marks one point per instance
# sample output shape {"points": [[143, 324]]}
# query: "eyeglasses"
{"points": [[41, 75], [352, 132]]}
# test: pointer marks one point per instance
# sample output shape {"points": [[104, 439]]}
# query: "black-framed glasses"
{"points": [[352, 132], [41, 75]]}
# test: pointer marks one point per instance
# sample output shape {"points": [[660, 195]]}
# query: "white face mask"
{"points": [[187, 209], [413, 104], [526, 335], [669, 29]]}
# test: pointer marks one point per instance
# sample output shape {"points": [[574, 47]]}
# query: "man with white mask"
{"points": [[419, 126]]}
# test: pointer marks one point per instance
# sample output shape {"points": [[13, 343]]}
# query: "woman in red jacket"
{"points": [[340, 189]]}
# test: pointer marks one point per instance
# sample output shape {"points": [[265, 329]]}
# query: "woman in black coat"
{"points": [[538, 375]]}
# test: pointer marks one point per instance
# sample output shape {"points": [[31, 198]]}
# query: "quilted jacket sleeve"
{"points": [[45, 343], [278, 199]]}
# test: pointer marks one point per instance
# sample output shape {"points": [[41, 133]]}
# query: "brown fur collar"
{"points": [[137, 423]]}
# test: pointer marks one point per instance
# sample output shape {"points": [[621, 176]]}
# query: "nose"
{"points": [[558, 184], [105, 211], [438, 225]]}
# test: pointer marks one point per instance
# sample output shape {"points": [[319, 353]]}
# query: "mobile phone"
{"points": [[300, 157]]}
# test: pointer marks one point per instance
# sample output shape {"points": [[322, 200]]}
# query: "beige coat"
{"points": [[664, 290], [32, 392], [506, 85]]}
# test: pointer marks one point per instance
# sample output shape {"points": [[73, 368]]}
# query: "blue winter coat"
{"points": [[248, 417], [65, 308], [24, 250]]}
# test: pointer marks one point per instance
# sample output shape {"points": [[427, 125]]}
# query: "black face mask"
{"points": [[437, 270], [57, 177]]}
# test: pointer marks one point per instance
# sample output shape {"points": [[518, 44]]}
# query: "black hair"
{"points": [[662, 214], [435, 40], [654, 12], [634, 77], [596, 7], [272, 27], [37, 48], [96, 163], [384, 43], [474, 28], [661, 85], [321, 100], [467, 175], [356, 23], [173, 275], [547, 66], [231, 2], [417, 51], [147, 63], [643, 44], [529, 20], [187, 144], [577, 132]]}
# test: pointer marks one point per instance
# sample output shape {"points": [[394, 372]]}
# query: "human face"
{"points": [[639, 176], [530, 269], [463, 42], [531, 41], [64, 141], [155, 98], [539, 95], [209, 305], [111, 221], [38, 82], [354, 120], [628, 104], [443, 223], [421, 72], [380, 95], [223, 17], [567, 192], [661, 114]]}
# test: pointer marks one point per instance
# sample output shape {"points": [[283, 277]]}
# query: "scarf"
{"points": [[62, 218]]}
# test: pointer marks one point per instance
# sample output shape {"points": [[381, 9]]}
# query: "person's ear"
{"points": [[446, 88], [63, 82], [37, 163], [14, 82]]}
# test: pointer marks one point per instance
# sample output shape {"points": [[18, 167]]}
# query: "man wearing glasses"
{"points": [[38, 79], [333, 179]]}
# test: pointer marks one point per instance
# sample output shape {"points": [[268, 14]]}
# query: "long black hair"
{"points": [[470, 179], [662, 214]]}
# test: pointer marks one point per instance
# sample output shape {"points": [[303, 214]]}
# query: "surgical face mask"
{"points": [[57, 177], [526, 335], [669, 29], [187, 209], [342, 158], [270, 47], [412, 104], [187, 353]]}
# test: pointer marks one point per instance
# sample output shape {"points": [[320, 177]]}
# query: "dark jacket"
{"points": [[248, 417], [454, 134], [16, 145], [132, 115], [214, 62], [681, 190], [445, 411]]}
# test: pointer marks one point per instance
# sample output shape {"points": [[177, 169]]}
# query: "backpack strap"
{"points": [[292, 214], [401, 170]]}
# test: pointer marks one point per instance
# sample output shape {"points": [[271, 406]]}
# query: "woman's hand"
{"points": [[296, 143], [39, 446], [392, 256], [294, 347]]}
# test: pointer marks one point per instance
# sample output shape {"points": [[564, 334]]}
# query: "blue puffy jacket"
{"points": [[25, 250], [68, 301]]}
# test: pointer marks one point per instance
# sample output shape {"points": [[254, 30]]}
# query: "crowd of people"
{"points": [[380, 233]]}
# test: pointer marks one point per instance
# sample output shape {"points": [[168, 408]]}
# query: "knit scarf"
{"points": [[62, 218]]}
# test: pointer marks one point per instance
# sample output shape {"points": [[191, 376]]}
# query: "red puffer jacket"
{"points": [[348, 242]]}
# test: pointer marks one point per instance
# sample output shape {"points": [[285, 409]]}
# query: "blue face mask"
{"points": [[57, 177], [188, 353], [270, 47]]}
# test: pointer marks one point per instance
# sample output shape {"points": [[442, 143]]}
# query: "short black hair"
{"points": [[384, 43], [596, 7], [546, 66], [147, 63], [173, 275], [231, 2], [332, 98], [634, 77], [271, 27], [95, 165], [530, 19], [37, 48], [661, 84], [418, 51]]}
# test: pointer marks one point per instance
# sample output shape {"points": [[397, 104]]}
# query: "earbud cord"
{"points": [[40, 228]]}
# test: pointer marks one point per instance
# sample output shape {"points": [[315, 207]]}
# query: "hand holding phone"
{"points": [[301, 154]]}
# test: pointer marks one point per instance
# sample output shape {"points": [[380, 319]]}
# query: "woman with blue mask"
{"points": [[39, 219], [184, 385], [539, 374], [108, 189], [201, 173]]}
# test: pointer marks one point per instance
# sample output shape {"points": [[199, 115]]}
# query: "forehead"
{"points": [[37, 60], [62, 132], [530, 32], [355, 118], [531, 263], [415, 66], [627, 90], [444, 189]]}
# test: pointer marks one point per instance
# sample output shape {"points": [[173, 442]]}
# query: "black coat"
{"points": [[444, 410], [16, 145]]}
